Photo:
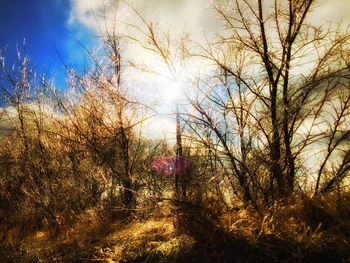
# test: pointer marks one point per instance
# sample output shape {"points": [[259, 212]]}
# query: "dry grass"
{"points": [[294, 231], [94, 238], [151, 240], [300, 230]]}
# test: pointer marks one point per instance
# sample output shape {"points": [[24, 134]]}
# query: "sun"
{"points": [[170, 92], [170, 86]]}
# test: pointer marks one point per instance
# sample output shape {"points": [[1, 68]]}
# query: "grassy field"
{"points": [[303, 231]]}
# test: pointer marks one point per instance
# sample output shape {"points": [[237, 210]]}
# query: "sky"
{"points": [[54, 29], [42, 30]]}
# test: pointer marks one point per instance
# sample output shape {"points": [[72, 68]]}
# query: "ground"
{"points": [[240, 235]]}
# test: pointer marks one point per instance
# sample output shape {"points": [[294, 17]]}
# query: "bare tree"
{"points": [[265, 110]]}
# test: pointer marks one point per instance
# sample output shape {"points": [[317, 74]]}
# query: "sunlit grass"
{"points": [[285, 229]]}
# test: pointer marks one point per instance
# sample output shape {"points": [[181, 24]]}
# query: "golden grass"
{"points": [[92, 239], [153, 238], [295, 230]]}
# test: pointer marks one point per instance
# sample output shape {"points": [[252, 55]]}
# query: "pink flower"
{"points": [[170, 165]]}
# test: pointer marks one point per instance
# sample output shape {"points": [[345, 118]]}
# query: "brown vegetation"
{"points": [[76, 177]]}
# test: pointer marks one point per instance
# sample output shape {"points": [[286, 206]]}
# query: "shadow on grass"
{"points": [[192, 237], [214, 244], [232, 249]]}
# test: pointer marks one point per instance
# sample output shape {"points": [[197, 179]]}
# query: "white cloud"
{"points": [[159, 128], [176, 16], [85, 12], [332, 11], [190, 14], [170, 16]]}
